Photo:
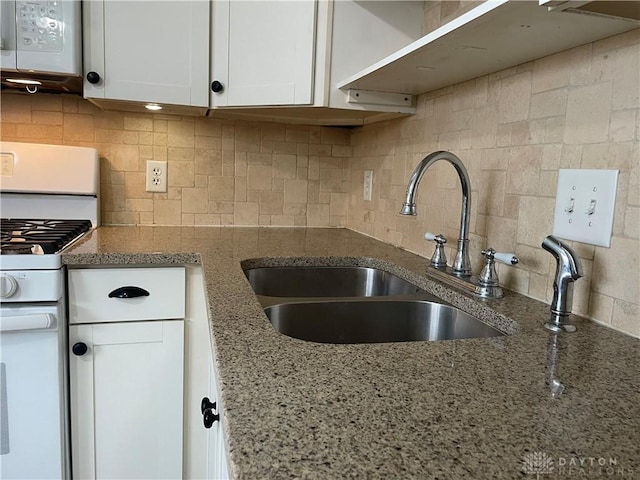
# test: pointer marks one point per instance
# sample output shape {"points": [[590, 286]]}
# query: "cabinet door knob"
{"points": [[93, 77], [209, 418], [128, 292], [207, 404], [79, 348], [216, 86]]}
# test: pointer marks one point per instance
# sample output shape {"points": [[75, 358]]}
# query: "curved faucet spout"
{"points": [[462, 264]]}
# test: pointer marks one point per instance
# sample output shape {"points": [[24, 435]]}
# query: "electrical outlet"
{"points": [[585, 203], [156, 176], [368, 185]]}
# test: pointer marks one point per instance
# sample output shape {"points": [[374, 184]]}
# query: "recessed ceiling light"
{"points": [[153, 106]]}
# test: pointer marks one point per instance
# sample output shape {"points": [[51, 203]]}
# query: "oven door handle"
{"points": [[128, 292], [14, 323]]}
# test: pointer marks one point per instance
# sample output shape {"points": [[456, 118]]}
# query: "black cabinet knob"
{"points": [[128, 292], [209, 418], [217, 87], [207, 404], [93, 77], [79, 348]]}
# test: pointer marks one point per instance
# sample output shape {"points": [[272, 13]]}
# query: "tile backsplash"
{"points": [[513, 130], [219, 172]]}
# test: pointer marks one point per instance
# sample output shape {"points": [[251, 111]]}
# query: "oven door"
{"points": [[33, 419]]}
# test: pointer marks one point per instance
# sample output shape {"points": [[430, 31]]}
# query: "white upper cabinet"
{"points": [[262, 52], [141, 51]]}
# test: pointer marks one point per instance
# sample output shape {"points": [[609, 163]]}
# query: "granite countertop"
{"points": [[476, 408]]}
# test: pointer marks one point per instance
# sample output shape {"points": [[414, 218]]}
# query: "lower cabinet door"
{"points": [[126, 389]]}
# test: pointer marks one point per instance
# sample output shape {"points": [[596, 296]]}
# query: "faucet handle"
{"points": [[439, 258], [506, 258], [488, 283]]}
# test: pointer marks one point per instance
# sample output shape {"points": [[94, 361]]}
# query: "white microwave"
{"points": [[40, 38]]}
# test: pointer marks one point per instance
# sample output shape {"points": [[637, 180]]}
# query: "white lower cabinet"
{"points": [[140, 365], [205, 446], [126, 399]]}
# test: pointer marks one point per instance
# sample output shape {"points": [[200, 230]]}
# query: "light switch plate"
{"points": [[581, 191]]}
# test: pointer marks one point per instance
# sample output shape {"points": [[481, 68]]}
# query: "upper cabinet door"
{"points": [[263, 52], [147, 51]]}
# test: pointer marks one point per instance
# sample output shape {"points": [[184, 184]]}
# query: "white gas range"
{"points": [[48, 200]]}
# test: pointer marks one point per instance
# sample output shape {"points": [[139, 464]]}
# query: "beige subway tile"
{"points": [[245, 213], [221, 188], [632, 222], [285, 148], [334, 136], [180, 174], [271, 202], [15, 109], [208, 219], [633, 193], [588, 112], [160, 139], [181, 133], [623, 125], [208, 162], [608, 155], [256, 158], [178, 154], [528, 132], [551, 103], [259, 177], [41, 117], [296, 210], [130, 138], [609, 262], [514, 94], [626, 93], [282, 220], [548, 186], [320, 150], [160, 125], [139, 205], [221, 207], [338, 205], [318, 215], [571, 156], [195, 200], [535, 220], [145, 218], [135, 185], [188, 219], [125, 218], [297, 134], [253, 196], [330, 180], [124, 157], [284, 166], [554, 130], [145, 138], [49, 133], [295, 191], [523, 176], [552, 72], [208, 127], [626, 317], [167, 212], [490, 197], [140, 123], [78, 127], [601, 307], [50, 103]]}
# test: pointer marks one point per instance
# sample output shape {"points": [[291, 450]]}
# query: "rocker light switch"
{"points": [[585, 203]]}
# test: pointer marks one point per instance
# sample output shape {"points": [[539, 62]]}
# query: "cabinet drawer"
{"points": [[126, 294]]}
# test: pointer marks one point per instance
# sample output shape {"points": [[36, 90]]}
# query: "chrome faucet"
{"points": [[568, 270], [461, 264]]}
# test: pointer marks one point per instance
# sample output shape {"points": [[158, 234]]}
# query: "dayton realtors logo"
{"points": [[539, 463]]}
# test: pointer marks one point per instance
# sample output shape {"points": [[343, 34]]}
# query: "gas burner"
{"points": [[37, 237]]}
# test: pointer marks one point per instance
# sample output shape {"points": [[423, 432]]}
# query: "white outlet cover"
{"points": [[579, 191], [368, 185]]}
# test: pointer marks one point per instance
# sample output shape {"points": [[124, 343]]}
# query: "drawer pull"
{"points": [[129, 292]]}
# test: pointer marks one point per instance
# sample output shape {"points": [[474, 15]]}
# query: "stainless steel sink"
{"points": [[375, 321], [327, 282]]}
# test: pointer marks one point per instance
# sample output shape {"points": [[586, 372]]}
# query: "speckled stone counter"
{"points": [[477, 408]]}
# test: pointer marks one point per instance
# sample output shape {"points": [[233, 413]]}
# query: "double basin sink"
{"points": [[357, 305]]}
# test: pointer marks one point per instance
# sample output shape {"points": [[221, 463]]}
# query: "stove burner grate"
{"points": [[29, 237]]}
